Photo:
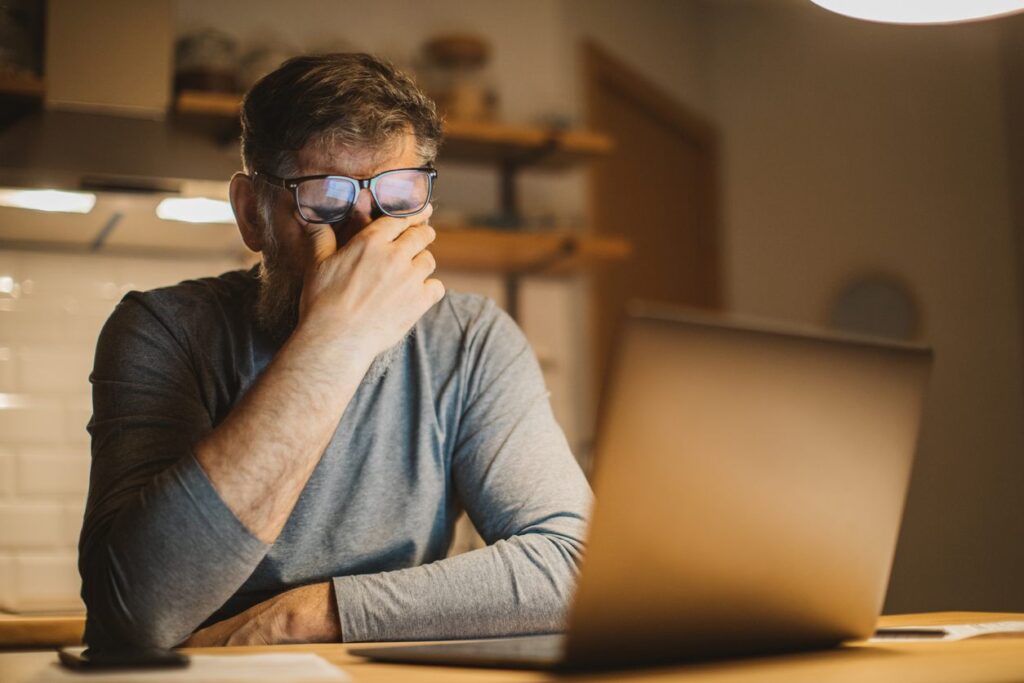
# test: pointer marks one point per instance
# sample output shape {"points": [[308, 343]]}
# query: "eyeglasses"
{"points": [[330, 198]]}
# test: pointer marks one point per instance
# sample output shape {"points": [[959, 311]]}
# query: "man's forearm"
{"points": [[308, 614], [260, 457]]}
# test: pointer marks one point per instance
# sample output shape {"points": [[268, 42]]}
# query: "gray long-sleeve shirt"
{"points": [[460, 420]]}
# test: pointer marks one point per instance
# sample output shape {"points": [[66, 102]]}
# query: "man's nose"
{"points": [[363, 211]]}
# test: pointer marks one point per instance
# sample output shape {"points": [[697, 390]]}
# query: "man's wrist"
{"points": [[312, 614], [339, 351]]}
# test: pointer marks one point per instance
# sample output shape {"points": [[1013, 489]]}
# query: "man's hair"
{"points": [[346, 99]]}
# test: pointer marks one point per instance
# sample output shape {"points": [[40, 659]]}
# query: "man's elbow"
{"points": [[123, 616]]}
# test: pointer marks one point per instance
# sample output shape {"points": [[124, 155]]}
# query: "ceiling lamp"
{"points": [[922, 11], [195, 210], [48, 200]]}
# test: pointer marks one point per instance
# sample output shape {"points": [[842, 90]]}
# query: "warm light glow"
{"points": [[195, 210], [10, 401], [922, 11], [48, 200]]}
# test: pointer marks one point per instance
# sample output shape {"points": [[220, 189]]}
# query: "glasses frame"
{"points": [[358, 183]]}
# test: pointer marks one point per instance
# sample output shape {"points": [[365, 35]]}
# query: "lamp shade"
{"points": [[922, 11]]}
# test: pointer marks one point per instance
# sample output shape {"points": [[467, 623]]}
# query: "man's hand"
{"points": [[356, 302], [302, 615], [372, 291]]}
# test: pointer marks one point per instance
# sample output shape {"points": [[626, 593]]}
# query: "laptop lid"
{"points": [[749, 488]]}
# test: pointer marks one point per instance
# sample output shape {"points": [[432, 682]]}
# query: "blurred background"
{"points": [[760, 157]]}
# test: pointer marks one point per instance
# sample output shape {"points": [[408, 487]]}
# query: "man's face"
{"points": [[284, 262]]}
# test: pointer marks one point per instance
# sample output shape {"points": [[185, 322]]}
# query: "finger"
{"points": [[324, 242], [415, 239], [435, 289], [389, 228], [424, 262]]}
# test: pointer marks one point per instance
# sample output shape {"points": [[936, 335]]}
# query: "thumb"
{"points": [[324, 243]]}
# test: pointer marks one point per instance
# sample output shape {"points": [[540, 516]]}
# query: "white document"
{"points": [[951, 632], [294, 667]]}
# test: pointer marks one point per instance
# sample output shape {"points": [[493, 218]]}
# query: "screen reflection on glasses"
{"points": [[329, 198]]}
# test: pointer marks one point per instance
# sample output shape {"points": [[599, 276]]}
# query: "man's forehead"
{"points": [[323, 158]]}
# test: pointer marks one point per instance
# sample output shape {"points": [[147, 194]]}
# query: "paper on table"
{"points": [[952, 631], [294, 667]]}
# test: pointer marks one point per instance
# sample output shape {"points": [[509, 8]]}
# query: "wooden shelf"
{"points": [[521, 145], [464, 140], [203, 103], [523, 253], [28, 87], [468, 141]]}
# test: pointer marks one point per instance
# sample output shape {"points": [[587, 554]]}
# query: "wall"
{"points": [[850, 145], [51, 309]]}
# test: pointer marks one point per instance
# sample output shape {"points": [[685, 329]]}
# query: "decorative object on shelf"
{"points": [[479, 143], [876, 304], [206, 60], [20, 39], [922, 11], [258, 62], [456, 76]]}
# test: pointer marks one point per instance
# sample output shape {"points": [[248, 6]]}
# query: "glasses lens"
{"points": [[402, 192], [325, 200]]}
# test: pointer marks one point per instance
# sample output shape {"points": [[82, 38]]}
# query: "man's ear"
{"points": [[247, 215]]}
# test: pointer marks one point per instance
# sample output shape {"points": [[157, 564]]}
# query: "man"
{"points": [[280, 455]]}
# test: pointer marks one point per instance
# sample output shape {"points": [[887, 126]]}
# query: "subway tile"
{"points": [[47, 582], [7, 579], [29, 420], [83, 329], [26, 525], [54, 370], [51, 473], [143, 274], [74, 513], [20, 325], [48, 276], [78, 412], [8, 374], [7, 472]]}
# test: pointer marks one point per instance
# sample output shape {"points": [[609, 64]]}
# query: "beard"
{"points": [[277, 307], [277, 300]]}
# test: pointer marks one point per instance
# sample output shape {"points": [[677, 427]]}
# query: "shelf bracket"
{"points": [[509, 172], [566, 248]]}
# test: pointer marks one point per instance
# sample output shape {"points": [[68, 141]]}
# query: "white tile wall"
{"points": [[43, 472], [48, 328], [7, 473], [49, 322], [25, 524], [37, 574]]}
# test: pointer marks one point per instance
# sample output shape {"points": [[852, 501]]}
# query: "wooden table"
{"points": [[40, 630], [976, 660]]}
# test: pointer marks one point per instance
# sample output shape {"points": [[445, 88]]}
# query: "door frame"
{"points": [[601, 70]]}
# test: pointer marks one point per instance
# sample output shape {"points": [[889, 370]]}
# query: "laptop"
{"points": [[749, 484]]}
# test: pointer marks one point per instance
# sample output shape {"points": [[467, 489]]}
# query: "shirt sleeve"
{"points": [[525, 493], [159, 550]]}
